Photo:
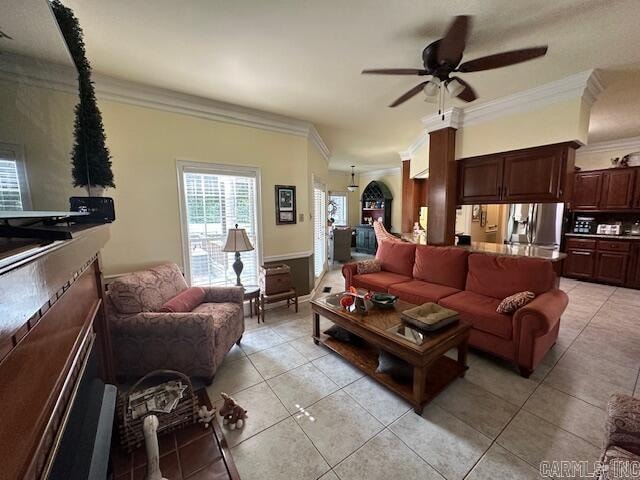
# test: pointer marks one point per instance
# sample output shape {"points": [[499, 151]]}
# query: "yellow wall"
{"points": [[394, 182], [145, 145], [420, 160], [559, 122], [338, 182]]}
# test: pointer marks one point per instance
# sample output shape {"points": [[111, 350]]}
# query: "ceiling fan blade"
{"points": [[411, 93], [503, 59], [468, 94], [452, 45], [396, 71]]}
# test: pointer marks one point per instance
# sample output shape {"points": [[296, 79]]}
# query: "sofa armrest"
{"points": [[224, 295], [541, 314], [187, 325], [348, 271], [623, 423]]}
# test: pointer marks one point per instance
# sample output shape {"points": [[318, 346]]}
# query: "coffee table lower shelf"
{"points": [[441, 372]]}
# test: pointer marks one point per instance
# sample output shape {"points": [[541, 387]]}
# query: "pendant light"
{"points": [[352, 187]]}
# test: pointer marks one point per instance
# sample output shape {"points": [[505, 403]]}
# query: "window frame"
{"points": [[188, 166], [346, 204], [23, 177]]}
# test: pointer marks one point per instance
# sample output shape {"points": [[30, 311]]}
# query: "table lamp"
{"points": [[237, 241]]}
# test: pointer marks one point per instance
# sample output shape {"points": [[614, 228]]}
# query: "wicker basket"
{"points": [[185, 413]]}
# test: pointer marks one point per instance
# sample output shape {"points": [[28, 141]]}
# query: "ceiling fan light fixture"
{"points": [[431, 89], [454, 87], [352, 187]]}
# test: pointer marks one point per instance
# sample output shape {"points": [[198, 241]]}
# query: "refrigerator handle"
{"points": [[532, 222]]}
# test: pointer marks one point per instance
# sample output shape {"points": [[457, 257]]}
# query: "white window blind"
{"points": [[340, 202], [13, 194], [214, 203], [319, 229]]}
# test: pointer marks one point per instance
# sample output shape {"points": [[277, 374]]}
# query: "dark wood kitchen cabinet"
{"points": [[480, 180], [633, 273], [539, 174], [580, 263], [533, 176], [611, 267], [606, 190], [587, 189], [617, 189]]}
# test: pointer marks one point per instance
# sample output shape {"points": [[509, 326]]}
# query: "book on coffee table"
{"points": [[429, 317]]}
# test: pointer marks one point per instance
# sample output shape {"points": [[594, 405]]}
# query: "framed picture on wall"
{"points": [[285, 204], [475, 213]]}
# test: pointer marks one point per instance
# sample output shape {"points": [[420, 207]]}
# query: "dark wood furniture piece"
{"points": [[376, 203], [291, 296], [252, 293], [415, 194], [537, 174], [432, 370], [191, 453], [607, 260], [52, 330], [366, 241], [613, 189]]}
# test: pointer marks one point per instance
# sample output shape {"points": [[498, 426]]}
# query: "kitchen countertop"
{"points": [[533, 251], [610, 237], [498, 248]]}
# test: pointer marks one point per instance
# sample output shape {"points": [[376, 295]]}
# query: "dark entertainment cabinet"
{"points": [[375, 203]]}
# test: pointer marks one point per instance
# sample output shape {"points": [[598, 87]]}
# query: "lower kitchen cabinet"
{"points": [[611, 267], [633, 273], [580, 263]]}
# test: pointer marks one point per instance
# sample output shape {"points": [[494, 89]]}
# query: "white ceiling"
{"points": [[303, 58]]}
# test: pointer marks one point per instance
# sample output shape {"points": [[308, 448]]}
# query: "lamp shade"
{"points": [[237, 241]]}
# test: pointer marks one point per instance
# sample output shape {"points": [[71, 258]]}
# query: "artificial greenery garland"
{"points": [[90, 158]]}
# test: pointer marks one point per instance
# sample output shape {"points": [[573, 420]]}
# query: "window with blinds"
{"points": [[13, 184], [214, 202], [319, 229], [338, 208]]}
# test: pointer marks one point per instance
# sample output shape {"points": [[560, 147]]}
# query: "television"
{"points": [[38, 95]]}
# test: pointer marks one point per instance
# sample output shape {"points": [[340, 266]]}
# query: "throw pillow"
{"points": [[515, 301], [185, 301], [343, 335], [368, 266], [399, 370]]}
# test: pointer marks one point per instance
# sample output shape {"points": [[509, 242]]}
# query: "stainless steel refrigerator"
{"points": [[535, 223]]}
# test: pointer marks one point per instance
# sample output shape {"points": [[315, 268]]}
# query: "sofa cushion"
{"points": [[380, 281], [480, 312], [397, 257], [185, 301], [515, 301], [441, 265], [147, 290], [368, 266], [501, 276], [418, 292]]}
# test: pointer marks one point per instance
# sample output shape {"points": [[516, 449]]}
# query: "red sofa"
{"points": [[473, 285]]}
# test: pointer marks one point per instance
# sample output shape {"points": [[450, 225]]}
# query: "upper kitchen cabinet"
{"points": [[587, 189], [480, 180], [533, 175], [611, 189]]}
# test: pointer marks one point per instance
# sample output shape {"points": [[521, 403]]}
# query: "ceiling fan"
{"points": [[442, 58]]}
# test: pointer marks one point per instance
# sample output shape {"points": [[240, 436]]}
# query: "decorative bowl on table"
{"points": [[383, 300]]}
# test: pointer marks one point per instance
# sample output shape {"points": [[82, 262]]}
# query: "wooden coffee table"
{"points": [[432, 370]]}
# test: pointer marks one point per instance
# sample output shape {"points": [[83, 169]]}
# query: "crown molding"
{"points": [[21, 69], [410, 152], [630, 143], [318, 142]]}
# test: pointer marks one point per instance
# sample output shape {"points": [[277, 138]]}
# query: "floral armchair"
{"points": [[146, 339]]}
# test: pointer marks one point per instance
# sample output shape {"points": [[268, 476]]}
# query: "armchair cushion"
{"points": [[623, 423], [185, 301], [147, 290]]}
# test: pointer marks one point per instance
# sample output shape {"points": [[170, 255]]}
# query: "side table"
{"points": [[290, 296], [252, 293]]}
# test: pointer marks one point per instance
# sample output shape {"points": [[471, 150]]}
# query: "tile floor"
{"points": [[313, 416]]}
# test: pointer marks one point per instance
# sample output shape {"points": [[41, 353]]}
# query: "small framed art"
{"points": [[285, 204]]}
